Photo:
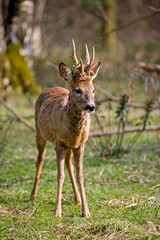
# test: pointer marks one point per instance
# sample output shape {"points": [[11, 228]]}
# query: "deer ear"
{"points": [[65, 72], [94, 69]]}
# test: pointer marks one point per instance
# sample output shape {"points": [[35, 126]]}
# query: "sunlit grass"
{"points": [[123, 192], [123, 196]]}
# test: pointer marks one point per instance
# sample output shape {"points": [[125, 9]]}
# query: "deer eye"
{"points": [[78, 91], [93, 91]]}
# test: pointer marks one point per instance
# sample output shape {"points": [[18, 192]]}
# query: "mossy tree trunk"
{"points": [[17, 31], [110, 41]]}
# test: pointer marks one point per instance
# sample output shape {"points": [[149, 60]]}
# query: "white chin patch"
{"points": [[89, 111]]}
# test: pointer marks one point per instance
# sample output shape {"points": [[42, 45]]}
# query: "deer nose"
{"points": [[90, 107]]}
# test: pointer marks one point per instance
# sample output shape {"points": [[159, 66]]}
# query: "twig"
{"points": [[111, 98], [156, 10], [98, 122], [21, 119], [52, 66], [10, 118], [127, 130], [134, 21], [149, 67], [3, 140], [121, 115]]}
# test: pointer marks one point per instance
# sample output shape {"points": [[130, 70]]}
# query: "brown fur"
{"points": [[61, 118]]}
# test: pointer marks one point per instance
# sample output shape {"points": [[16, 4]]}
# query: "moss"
{"points": [[19, 73]]}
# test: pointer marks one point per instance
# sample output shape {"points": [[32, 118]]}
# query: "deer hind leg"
{"points": [[78, 157], [70, 168], [60, 153], [41, 142]]}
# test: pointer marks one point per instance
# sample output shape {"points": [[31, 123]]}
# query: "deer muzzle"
{"points": [[90, 108]]}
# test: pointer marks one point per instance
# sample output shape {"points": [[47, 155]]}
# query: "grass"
{"points": [[123, 193]]}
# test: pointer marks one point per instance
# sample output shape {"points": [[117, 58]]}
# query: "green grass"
{"points": [[123, 193]]}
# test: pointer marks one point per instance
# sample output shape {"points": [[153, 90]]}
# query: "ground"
{"points": [[123, 192]]}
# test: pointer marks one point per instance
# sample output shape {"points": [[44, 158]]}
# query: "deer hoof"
{"points": [[32, 197], [86, 214], [78, 200], [57, 213]]}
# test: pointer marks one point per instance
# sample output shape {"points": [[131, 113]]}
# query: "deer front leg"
{"points": [[78, 157], [70, 168], [60, 152]]}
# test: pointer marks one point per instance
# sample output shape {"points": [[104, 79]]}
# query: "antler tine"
{"points": [[87, 55], [75, 59], [81, 66], [93, 57]]}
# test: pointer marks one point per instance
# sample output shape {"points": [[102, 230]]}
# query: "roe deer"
{"points": [[62, 117]]}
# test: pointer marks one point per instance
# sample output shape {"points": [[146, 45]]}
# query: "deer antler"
{"points": [[87, 55], [74, 56], [81, 66], [92, 58]]}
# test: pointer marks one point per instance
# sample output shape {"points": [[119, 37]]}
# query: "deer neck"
{"points": [[76, 116]]}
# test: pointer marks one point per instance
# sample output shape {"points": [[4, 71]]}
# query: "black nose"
{"points": [[90, 107]]}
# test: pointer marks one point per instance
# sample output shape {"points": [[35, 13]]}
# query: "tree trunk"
{"points": [[109, 22], [20, 22], [2, 32], [36, 38], [20, 41]]}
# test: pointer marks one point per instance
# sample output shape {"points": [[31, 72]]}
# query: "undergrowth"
{"points": [[123, 192]]}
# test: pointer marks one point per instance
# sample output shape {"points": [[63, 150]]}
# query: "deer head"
{"points": [[80, 78]]}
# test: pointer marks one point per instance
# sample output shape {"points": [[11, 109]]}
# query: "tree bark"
{"points": [[2, 32], [20, 42], [36, 38], [20, 21], [109, 40]]}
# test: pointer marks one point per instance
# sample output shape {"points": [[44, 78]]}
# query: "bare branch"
{"points": [[21, 119], [156, 10], [154, 13], [111, 98], [127, 130], [149, 67]]}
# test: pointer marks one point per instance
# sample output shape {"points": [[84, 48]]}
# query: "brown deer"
{"points": [[62, 117]]}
